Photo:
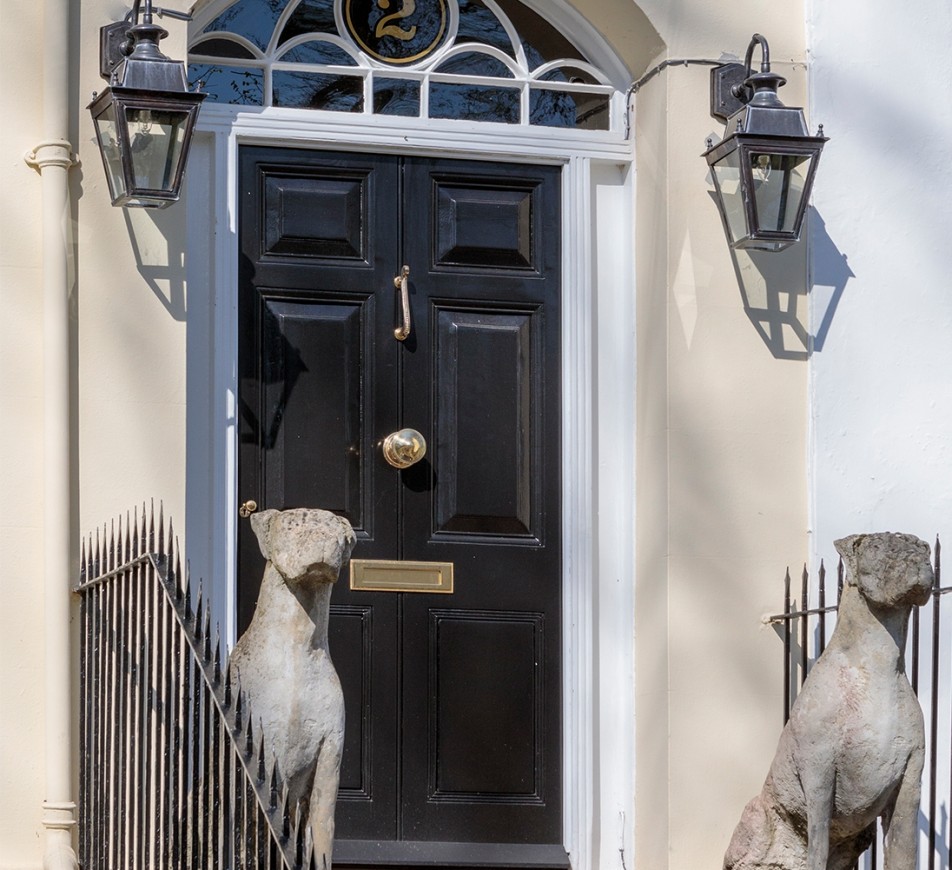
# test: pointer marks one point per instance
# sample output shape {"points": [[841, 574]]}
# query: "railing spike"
{"points": [[143, 536], [112, 546], [185, 582], [126, 542], [238, 706], [134, 542], [285, 818], [273, 790], [261, 769], [199, 615], [217, 671], [937, 558], [207, 634], [299, 828], [227, 700], [249, 736], [161, 542], [188, 599], [152, 525]]}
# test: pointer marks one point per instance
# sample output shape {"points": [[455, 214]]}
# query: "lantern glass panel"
{"points": [[727, 179], [779, 181], [108, 137], [156, 139]]}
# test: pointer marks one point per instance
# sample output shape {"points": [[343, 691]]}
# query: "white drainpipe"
{"points": [[53, 158]]}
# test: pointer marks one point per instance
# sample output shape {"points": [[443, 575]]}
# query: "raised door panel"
{"points": [[487, 401]]}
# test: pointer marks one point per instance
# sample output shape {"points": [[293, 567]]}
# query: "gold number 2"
{"points": [[385, 28]]}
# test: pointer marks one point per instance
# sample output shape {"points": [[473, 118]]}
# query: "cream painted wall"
{"points": [[132, 308], [21, 472], [721, 440]]}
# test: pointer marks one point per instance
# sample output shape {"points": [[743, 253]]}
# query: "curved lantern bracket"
{"points": [[764, 166]]}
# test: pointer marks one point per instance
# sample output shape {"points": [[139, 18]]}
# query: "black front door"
{"points": [[453, 742]]}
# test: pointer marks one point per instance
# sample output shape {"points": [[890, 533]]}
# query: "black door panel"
{"points": [[453, 701]]}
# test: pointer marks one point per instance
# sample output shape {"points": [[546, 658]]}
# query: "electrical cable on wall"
{"points": [[655, 70]]}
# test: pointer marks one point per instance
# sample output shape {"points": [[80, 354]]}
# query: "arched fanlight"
{"points": [[764, 166], [145, 118]]}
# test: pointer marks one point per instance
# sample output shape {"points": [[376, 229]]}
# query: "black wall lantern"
{"points": [[763, 168], [144, 119]]}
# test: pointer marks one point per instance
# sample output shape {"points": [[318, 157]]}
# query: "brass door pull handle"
{"points": [[247, 508], [401, 332], [404, 448]]}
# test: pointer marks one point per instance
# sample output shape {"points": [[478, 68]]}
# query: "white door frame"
{"points": [[598, 415]]}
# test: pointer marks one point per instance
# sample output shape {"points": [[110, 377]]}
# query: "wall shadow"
{"points": [[779, 291], [162, 266]]}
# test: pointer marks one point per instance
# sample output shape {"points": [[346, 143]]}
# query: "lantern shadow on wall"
{"points": [[762, 171], [781, 289]]}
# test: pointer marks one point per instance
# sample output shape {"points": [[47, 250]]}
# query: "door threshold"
{"points": [[418, 853]]}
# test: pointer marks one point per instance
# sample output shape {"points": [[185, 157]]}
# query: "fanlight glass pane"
{"points": [[235, 85], [219, 47], [311, 16], [571, 74], [108, 138], [396, 97], [155, 145], [540, 40], [477, 23], [252, 19], [474, 103], [779, 180], [318, 51], [568, 109], [729, 191], [315, 91], [475, 63]]}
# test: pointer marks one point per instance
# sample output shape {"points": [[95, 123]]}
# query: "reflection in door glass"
{"points": [[474, 103], [313, 91], [291, 53], [396, 97]]}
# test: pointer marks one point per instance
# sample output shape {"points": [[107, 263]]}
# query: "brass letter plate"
{"points": [[388, 575]]}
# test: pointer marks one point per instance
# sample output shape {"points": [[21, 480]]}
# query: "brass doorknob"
{"points": [[404, 448], [247, 508]]}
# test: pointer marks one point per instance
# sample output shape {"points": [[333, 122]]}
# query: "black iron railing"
{"points": [[171, 775], [806, 630]]}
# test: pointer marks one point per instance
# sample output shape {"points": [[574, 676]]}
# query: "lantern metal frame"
{"points": [[759, 123], [141, 80]]}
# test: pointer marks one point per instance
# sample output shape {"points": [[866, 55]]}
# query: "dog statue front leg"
{"points": [[324, 799], [818, 791], [900, 826]]}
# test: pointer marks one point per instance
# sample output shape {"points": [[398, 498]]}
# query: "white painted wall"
{"points": [[881, 403], [881, 374]]}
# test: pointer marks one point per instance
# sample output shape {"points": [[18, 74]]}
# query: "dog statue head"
{"points": [[888, 568], [304, 544]]}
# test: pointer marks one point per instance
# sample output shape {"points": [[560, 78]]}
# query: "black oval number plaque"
{"points": [[397, 31]]}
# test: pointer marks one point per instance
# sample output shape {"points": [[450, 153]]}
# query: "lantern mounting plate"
{"points": [[114, 47], [725, 80]]}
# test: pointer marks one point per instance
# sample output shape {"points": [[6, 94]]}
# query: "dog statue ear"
{"points": [[848, 548], [261, 526]]}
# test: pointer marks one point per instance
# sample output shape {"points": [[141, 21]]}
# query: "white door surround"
{"points": [[598, 424]]}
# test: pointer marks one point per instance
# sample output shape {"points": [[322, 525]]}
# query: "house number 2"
{"points": [[397, 32], [385, 28]]}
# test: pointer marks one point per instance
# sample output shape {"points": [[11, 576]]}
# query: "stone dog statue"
{"points": [[853, 748], [283, 665]]}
